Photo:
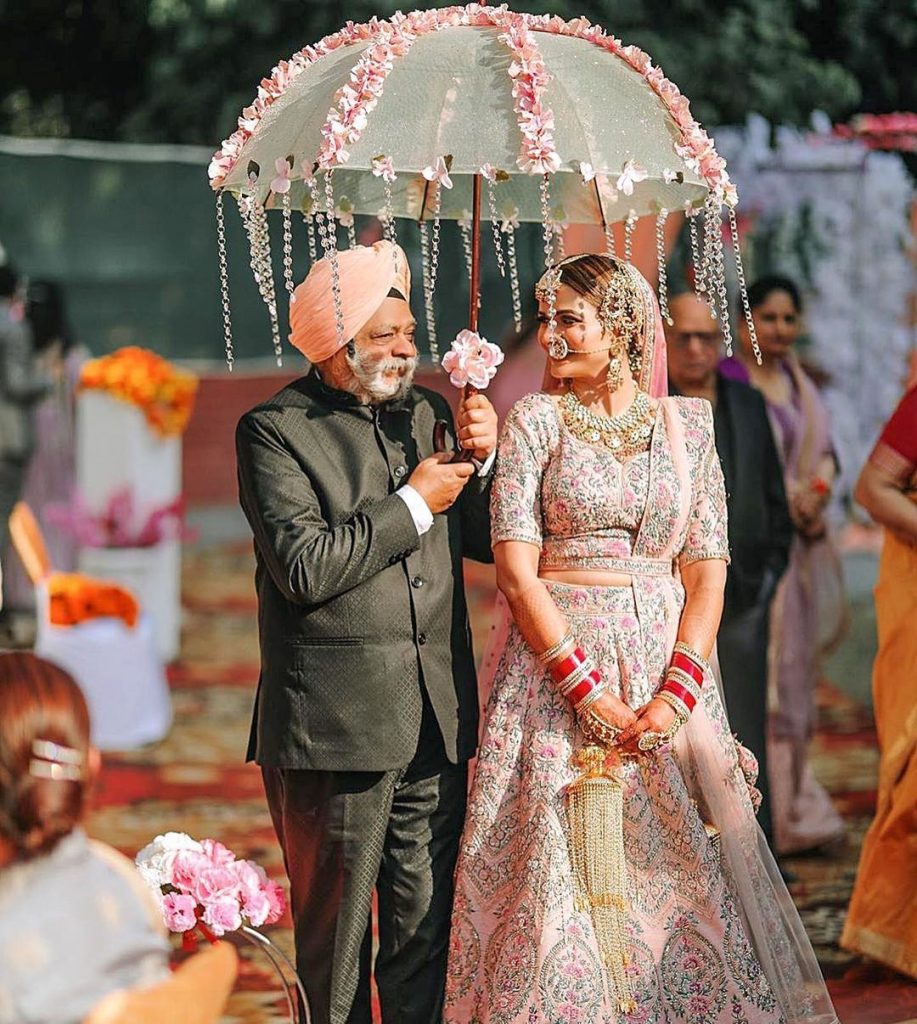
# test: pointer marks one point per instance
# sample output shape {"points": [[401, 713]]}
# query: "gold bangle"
{"points": [[675, 703], [596, 728], [552, 652]]}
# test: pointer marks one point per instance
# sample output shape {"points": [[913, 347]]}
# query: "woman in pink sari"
{"points": [[809, 615], [609, 532]]}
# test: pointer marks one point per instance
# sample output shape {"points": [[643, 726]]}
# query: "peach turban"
{"points": [[367, 275]]}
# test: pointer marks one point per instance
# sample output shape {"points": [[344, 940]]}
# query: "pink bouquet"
{"points": [[472, 360], [202, 884]]}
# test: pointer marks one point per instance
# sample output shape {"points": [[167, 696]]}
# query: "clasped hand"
{"points": [[655, 716]]}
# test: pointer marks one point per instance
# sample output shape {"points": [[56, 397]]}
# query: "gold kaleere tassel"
{"points": [[595, 819]]}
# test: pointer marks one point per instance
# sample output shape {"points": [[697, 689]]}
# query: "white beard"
{"points": [[370, 377]]}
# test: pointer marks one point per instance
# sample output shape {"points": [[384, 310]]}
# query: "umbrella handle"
{"points": [[475, 285]]}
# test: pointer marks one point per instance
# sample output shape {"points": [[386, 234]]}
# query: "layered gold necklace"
{"points": [[626, 434]]}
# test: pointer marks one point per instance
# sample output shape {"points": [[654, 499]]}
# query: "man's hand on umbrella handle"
{"points": [[439, 480], [476, 426]]}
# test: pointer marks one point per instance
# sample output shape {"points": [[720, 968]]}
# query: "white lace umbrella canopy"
{"points": [[417, 115]]}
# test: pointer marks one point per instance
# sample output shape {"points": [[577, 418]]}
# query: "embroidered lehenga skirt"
{"points": [[522, 951]]}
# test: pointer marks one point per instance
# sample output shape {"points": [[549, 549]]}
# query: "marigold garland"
{"points": [[162, 392], [75, 598]]}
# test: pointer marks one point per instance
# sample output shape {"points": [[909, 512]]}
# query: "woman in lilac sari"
{"points": [[809, 613]]}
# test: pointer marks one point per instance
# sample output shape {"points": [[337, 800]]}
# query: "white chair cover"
{"points": [[118, 670]]}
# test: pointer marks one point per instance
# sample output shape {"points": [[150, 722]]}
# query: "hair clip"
{"points": [[49, 751], [54, 770]]}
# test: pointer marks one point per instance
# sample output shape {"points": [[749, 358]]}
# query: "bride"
{"points": [[635, 888]]}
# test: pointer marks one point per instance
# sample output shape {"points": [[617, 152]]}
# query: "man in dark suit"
{"points": [[760, 530], [366, 713]]}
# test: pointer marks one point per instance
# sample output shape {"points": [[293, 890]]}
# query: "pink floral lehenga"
{"points": [[713, 937]]}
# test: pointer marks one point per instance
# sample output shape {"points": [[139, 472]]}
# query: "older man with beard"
{"points": [[366, 711]]}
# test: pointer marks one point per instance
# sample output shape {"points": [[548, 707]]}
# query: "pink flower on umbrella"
{"points": [[489, 172], [438, 172], [631, 174], [472, 360], [383, 168], [281, 184]]}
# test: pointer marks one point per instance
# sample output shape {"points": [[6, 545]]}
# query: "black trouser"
{"points": [[742, 649], [345, 834]]}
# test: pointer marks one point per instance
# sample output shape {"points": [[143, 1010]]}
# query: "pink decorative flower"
{"points": [[631, 174], [472, 360], [383, 168], [438, 172], [489, 172], [281, 184], [178, 911]]}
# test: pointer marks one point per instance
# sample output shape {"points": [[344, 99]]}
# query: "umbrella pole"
{"points": [[474, 300], [475, 284]]}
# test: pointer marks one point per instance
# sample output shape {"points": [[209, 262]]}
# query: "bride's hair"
{"points": [[44, 754], [589, 275]]}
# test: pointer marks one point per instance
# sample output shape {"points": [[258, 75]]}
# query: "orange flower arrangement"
{"points": [[75, 598], [163, 393]]}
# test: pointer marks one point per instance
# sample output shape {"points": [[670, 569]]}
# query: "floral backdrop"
{"points": [[835, 216]]}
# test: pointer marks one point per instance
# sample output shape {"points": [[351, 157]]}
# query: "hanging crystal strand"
{"points": [[610, 241], [663, 277], [743, 291], [700, 286], [288, 246], [224, 282], [629, 235], [718, 262], [428, 291], [331, 251], [388, 228], [465, 229], [557, 347], [262, 268], [557, 230], [309, 221], [352, 235], [434, 245], [312, 218], [514, 277], [495, 227], [711, 225]]}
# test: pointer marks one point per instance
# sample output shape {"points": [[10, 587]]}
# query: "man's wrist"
{"points": [[418, 507]]}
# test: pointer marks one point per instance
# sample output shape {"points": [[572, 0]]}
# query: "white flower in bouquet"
{"points": [[155, 860]]}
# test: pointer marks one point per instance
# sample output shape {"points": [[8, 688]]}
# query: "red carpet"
{"points": [[195, 781]]}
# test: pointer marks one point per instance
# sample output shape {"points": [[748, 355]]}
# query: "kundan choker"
{"points": [[626, 434]]}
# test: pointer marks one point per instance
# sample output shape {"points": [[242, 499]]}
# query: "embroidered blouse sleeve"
{"points": [[707, 531], [515, 504]]}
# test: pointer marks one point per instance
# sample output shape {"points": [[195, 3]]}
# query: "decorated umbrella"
{"points": [[419, 115]]}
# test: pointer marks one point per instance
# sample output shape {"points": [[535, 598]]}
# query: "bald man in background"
{"points": [[759, 521]]}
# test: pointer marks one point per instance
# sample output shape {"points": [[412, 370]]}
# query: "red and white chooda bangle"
{"points": [[575, 673], [684, 678]]}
